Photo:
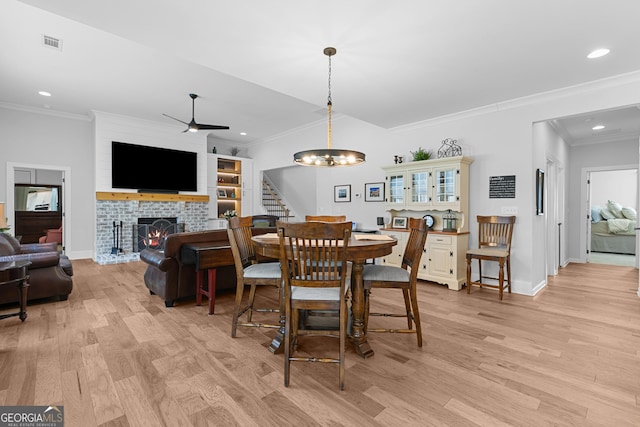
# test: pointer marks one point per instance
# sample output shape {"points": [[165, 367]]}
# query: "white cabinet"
{"points": [[395, 257], [432, 186], [443, 260], [439, 184]]}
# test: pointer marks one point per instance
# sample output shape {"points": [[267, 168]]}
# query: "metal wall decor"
{"points": [[449, 148]]}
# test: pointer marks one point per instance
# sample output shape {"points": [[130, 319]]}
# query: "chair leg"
{"points": [[343, 339], [366, 309], [236, 310], [252, 296], [480, 272], [509, 273], [407, 307], [501, 277], [287, 347], [416, 314], [469, 259]]}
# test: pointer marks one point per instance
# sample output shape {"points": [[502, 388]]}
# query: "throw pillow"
{"points": [[606, 214], [615, 208], [595, 213], [630, 213]]}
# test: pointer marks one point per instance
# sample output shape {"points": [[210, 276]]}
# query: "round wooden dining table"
{"points": [[359, 251]]}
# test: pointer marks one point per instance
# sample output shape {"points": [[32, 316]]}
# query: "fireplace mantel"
{"points": [[151, 197]]}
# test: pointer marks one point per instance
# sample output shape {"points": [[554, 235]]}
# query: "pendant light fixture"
{"points": [[329, 156]]}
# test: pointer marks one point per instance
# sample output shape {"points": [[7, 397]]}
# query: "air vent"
{"points": [[51, 42]]}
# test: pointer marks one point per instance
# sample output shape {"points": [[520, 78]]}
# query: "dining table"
{"points": [[361, 247]]}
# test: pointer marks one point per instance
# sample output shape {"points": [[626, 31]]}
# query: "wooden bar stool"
{"points": [[494, 244]]}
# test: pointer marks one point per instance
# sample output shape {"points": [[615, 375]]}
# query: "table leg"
{"points": [[22, 291], [276, 345], [211, 278], [358, 335]]}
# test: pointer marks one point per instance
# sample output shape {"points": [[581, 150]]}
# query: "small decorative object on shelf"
{"points": [[234, 151], [214, 151], [450, 221], [398, 159], [230, 213], [421, 154], [449, 148]]}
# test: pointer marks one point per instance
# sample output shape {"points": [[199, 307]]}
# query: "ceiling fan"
{"points": [[192, 126]]}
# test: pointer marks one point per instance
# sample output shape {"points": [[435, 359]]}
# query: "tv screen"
{"points": [[151, 169]]}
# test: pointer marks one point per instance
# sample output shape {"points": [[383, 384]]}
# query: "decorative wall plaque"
{"points": [[449, 148]]}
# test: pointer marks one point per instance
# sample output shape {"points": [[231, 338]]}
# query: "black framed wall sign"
{"points": [[539, 192]]}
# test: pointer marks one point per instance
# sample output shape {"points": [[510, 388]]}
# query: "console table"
{"points": [[206, 257], [16, 273]]}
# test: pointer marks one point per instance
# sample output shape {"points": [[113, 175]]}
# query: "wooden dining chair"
{"points": [[250, 272], [326, 218], [404, 277], [494, 244], [314, 265]]}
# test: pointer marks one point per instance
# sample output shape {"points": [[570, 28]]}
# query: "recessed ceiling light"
{"points": [[243, 133], [44, 93], [598, 53], [598, 127]]}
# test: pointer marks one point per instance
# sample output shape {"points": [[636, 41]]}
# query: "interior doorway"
{"points": [[612, 200], [20, 173]]}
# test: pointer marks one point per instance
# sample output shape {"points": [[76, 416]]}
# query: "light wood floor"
{"points": [[115, 356]]}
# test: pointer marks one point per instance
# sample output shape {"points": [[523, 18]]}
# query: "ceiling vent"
{"points": [[51, 42]]}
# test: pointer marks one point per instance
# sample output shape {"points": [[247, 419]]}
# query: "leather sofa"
{"points": [[172, 280], [49, 273]]}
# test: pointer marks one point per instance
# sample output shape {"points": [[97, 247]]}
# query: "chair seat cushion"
{"points": [[385, 273], [492, 252], [266, 270], [316, 294]]}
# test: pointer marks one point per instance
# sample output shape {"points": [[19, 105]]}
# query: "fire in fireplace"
{"points": [[152, 232]]}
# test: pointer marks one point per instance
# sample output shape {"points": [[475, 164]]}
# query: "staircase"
{"points": [[273, 202]]}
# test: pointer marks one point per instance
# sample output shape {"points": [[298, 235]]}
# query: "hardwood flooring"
{"points": [[113, 355]]}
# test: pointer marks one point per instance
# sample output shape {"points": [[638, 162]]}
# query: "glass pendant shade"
{"points": [[329, 157]]}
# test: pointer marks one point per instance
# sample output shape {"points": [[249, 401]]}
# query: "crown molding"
{"points": [[45, 111], [606, 83]]}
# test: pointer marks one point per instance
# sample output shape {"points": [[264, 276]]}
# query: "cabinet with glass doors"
{"points": [[439, 188]]}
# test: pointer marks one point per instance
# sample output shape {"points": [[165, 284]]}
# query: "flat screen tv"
{"points": [[152, 169]]}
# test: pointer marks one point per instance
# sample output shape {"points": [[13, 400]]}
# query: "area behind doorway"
{"points": [[620, 186]]}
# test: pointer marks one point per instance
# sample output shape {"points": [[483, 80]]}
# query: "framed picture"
{"points": [[374, 192], [222, 193], [539, 192], [342, 193], [399, 222]]}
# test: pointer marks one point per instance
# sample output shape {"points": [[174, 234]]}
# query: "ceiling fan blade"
{"points": [[212, 127], [175, 118]]}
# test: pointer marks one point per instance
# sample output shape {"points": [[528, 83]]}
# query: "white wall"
{"points": [[65, 141], [620, 186], [499, 138]]}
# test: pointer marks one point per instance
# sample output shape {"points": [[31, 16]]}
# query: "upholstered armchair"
{"points": [[49, 274], [54, 235]]}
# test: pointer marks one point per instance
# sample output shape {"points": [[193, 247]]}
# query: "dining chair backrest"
{"points": [[495, 231], [239, 232], [415, 244], [315, 252], [326, 218]]}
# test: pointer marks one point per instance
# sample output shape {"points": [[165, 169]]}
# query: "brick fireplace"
{"points": [[191, 211]]}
